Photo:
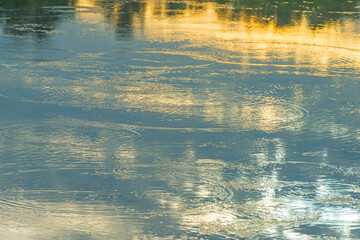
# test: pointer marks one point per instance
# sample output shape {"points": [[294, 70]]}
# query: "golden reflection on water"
{"points": [[212, 24], [242, 43], [246, 42]]}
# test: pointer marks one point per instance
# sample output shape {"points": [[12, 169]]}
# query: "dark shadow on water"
{"points": [[29, 19]]}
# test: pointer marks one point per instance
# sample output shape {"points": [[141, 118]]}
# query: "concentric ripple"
{"points": [[58, 131], [271, 115], [60, 147], [29, 219], [46, 169], [155, 60], [179, 120]]}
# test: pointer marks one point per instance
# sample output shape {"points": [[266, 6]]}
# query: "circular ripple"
{"points": [[60, 130], [29, 210], [60, 147], [155, 60], [306, 59], [39, 94], [56, 161], [325, 128], [269, 115], [118, 95], [211, 170]]}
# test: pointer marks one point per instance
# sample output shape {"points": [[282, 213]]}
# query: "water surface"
{"points": [[179, 119]]}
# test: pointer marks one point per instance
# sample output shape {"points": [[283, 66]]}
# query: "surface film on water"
{"points": [[164, 119]]}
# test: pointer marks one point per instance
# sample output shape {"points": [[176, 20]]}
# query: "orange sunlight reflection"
{"points": [[242, 44]]}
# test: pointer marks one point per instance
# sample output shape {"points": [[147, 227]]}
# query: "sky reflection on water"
{"points": [[179, 119]]}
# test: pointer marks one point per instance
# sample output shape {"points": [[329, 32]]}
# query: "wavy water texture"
{"points": [[179, 119]]}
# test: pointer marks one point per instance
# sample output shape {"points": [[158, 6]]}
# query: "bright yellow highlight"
{"points": [[245, 44]]}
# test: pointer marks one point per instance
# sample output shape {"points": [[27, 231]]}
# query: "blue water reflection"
{"points": [[179, 119]]}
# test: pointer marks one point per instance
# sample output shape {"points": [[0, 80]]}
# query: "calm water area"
{"points": [[157, 119]]}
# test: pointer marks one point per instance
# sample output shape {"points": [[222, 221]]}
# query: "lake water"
{"points": [[179, 119]]}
